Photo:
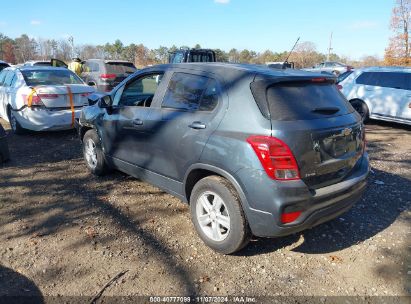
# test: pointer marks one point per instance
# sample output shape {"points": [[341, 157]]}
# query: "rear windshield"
{"points": [[201, 57], [305, 101], [50, 77], [41, 63], [120, 68]]}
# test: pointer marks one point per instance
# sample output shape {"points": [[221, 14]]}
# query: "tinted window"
{"points": [[50, 77], [395, 80], [201, 57], [177, 57], [3, 66], [41, 63], [191, 92], [138, 92], [302, 100], [120, 68], [344, 75]]}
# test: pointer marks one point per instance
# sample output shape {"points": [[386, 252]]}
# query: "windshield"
{"points": [[120, 68], [50, 77]]}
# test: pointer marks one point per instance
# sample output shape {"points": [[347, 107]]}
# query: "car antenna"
{"points": [[285, 63]]}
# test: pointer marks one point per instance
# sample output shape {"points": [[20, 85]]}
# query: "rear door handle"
{"points": [[137, 122], [197, 125]]}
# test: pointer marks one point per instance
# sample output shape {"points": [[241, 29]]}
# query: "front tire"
{"points": [[93, 153], [218, 216]]}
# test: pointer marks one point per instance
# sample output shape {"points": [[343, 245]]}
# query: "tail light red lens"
{"points": [[275, 156], [340, 87], [35, 101], [319, 80], [287, 218], [108, 76], [48, 96]]}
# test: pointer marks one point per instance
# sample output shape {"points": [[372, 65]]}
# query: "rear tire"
{"points": [[218, 216], [93, 153], [15, 126], [362, 109]]}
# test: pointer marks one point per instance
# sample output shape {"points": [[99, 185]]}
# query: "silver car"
{"points": [[41, 98], [332, 67]]}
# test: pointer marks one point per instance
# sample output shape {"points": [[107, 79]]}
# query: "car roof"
{"points": [[36, 68], [385, 69], [3, 62], [229, 71]]}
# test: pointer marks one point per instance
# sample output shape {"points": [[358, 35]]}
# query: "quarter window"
{"points": [[2, 77], [191, 93], [9, 78], [394, 80]]}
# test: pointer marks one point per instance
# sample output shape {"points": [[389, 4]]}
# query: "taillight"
{"points": [[320, 79], [275, 156], [290, 217], [108, 76], [48, 96], [35, 101], [340, 87]]}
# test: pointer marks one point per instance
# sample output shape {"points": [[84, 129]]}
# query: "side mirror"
{"points": [[105, 102], [91, 84]]}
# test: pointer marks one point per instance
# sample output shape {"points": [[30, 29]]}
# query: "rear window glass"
{"points": [[303, 100], [42, 63], [343, 76], [201, 57], [50, 77], [120, 68]]}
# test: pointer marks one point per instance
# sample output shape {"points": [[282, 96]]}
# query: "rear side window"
{"points": [[305, 101], [120, 68], [191, 93], [394, 80]]}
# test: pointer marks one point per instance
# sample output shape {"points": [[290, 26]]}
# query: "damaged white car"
{"points": [[41, 98]]}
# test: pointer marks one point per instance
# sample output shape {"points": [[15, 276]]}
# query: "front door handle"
{"points": [[197, 125], [137, 122]]}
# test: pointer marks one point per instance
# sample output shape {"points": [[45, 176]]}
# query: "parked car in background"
{"points": [[4, 147], [192, 55], [41, 98], [382, 93], [332, 67], [52, 62], [3, 65], [282, 65], [104, 75], [253, 150]]}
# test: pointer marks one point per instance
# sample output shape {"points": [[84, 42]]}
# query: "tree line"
{"points": [[24, 48]]}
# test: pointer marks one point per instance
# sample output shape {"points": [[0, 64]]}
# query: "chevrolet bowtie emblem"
{"points": [[346, 131]]}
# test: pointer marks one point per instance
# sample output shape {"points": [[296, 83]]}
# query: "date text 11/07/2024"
{"points": [[203, 299]]}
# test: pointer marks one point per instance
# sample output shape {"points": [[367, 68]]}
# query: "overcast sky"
{"points": [[360, 27]]}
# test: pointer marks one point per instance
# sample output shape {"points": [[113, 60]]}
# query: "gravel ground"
{"points": [[64, 232]]}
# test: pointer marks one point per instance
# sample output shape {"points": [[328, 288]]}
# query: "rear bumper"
{"points": [[319, 206], [46, 120]]}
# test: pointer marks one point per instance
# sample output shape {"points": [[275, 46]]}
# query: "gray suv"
{"points": [[104, 75], [254, 151]]}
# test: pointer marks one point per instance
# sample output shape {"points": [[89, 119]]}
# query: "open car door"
{"points": [[58, 63]]}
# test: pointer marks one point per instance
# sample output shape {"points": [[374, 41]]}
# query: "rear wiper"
{"points": [[326, 110]]}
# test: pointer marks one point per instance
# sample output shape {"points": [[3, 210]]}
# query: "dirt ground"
{"points": [[64, 232]]}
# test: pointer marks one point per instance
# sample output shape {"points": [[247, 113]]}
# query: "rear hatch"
{"points": [[319, 125], [116, 72], [57, 97]]}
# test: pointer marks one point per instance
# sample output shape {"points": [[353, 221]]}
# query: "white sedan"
{"points": [[41, 98]]}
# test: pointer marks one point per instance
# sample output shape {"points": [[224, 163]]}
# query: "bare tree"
{"points": [[398, 50]]}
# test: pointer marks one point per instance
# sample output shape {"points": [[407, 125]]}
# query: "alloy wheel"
{"points": [[212, 216]]}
